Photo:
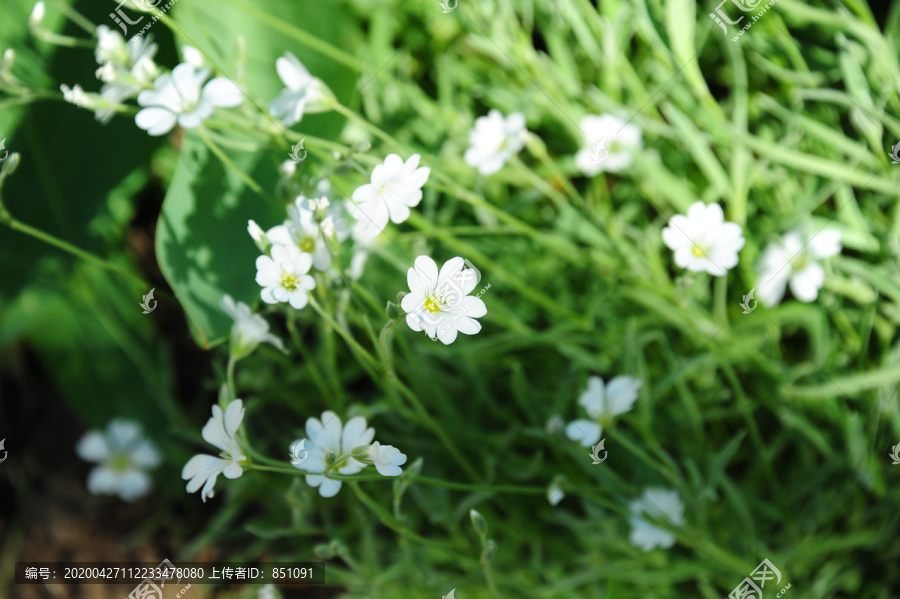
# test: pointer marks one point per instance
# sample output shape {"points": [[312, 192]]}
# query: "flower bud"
{"points": [[361, 147], [478, 523], [258, 236], [487, 554], [393, 311], [36, 19], [361, 454]]}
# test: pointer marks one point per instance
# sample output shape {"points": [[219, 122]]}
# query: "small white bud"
{"points": [[37, 16]]}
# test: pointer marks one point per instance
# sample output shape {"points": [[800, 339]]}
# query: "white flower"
{"points": [[123, 455], [220, 430], [283, 276], [304, 93], [395, 187], [703, 241], [795, 262], [439, 303], [178, 97], [609, 139], [494, 140], [603, 403], [661, 504], [126, 68], [387, 459], [302, 231], [248, 330], [330, 445], [607, 401], [113, 49]]}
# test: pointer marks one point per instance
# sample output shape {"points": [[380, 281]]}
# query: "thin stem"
{"points": [[75, 251], [229, 370], [508, 489], [227, 161]]}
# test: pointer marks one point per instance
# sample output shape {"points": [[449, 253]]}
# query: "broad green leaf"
{"points": [[202, 244]]}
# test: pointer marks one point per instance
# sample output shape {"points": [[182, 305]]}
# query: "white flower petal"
{"points": [[585, 432], [92, 447]]}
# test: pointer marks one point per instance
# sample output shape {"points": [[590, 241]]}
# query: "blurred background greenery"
{"points": [[774, 426]]}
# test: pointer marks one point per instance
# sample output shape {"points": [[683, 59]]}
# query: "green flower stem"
{"points": [[507, 489], [308, 359], [202, 131], [307, 39], [229, 376], [537, 150], [76, 17], [63, 40], [21, 227], [720, 291], [395, 525], [481, 260], [403, 389], [447, 184]]}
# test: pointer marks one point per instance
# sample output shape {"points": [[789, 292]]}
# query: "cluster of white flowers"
{"points": [[123, 456], [602, 402], [126, 69], [305, 240], [182, 96], [342, 449]]}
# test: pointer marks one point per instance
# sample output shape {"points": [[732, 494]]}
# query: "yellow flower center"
{"points": [[698, 251], [800, 263], [120, 462], [431, 305], [307, 244], [289, 281]]}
